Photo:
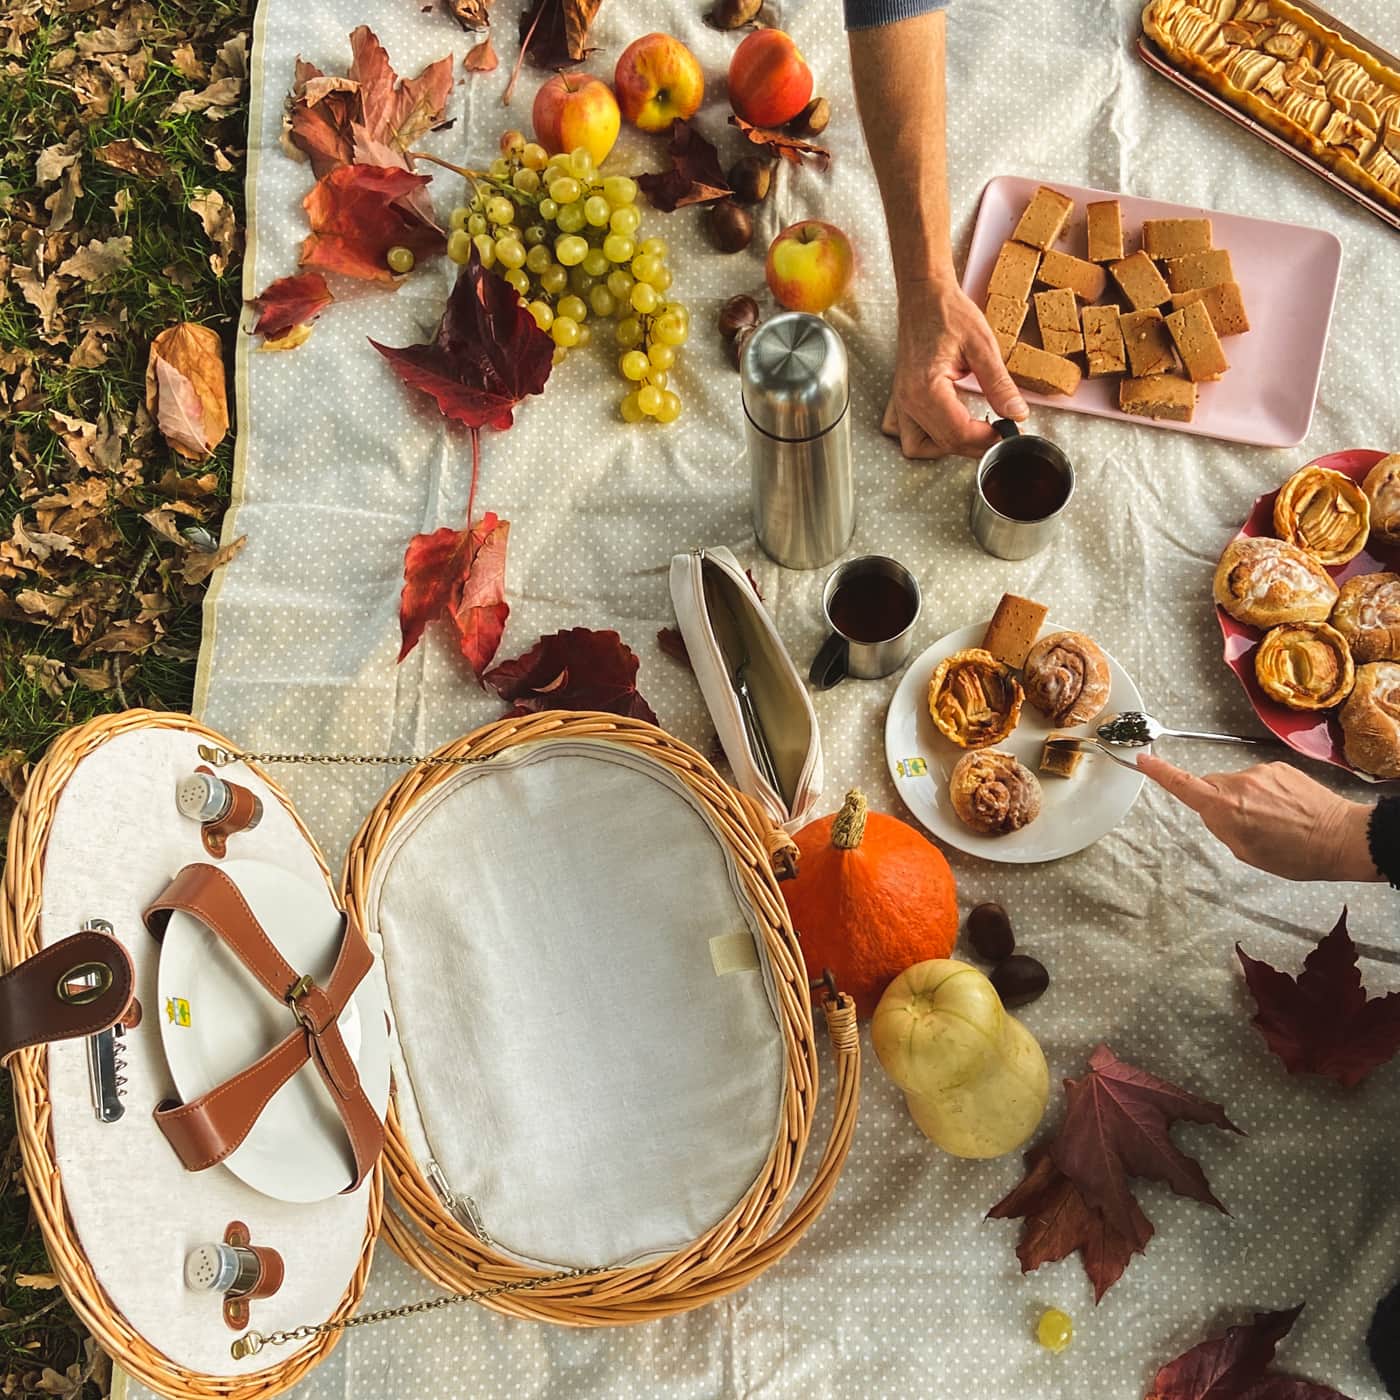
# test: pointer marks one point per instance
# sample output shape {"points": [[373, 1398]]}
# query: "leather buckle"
{"points": [[304, 984]]}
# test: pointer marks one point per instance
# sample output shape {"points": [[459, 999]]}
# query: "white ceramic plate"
{"points": [[1075, 812], [216, 1019]]}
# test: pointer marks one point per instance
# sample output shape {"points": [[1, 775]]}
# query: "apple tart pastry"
{"points": [[1382, 488], [1368, 616], [974, 699], [994, 793], [1066, 678], [1305, 665], [1324, 512], [1263, 582], [1370, 720]]}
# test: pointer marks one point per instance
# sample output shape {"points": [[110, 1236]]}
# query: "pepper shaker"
{"points": [[797, 423]]}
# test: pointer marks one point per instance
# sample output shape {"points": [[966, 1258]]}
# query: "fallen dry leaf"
{"points": [[52, 162], [359, 212], [14, 777], [197, 566], [574, 670], [779, 143], [695, 176], [215, 213], [459, 575], [42, 294], [38, 1281], [555, 32], [98, 259], [90, 352], [470, 14], [481, 58], [133, 158], [288, 340], [216, 101], [288, 303], [185, 391], [64, 199]]}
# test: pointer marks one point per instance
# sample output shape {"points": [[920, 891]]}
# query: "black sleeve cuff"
{"points": [[1383, 838]]}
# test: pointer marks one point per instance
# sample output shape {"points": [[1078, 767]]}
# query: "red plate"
{"points": [[1314, 734]]}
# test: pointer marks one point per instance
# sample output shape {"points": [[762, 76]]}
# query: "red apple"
{"points": [[809, 265], [657, 80], [769, 81], [573, 110]]}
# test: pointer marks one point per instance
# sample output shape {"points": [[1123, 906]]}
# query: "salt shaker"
{"points": [[797, 423]]}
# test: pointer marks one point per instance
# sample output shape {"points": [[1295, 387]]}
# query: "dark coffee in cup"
{"points": [[1025, 483], [871, 607]]}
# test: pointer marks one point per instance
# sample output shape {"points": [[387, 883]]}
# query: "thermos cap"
{"points": [[795, 377]]}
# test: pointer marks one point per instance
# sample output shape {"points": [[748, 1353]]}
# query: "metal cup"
{"points": [[1003, 535], [842, 655]]}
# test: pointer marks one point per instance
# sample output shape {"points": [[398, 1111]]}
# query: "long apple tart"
{"points": [[1322, 93]]}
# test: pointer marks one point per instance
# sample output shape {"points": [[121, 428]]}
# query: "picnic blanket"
{"points": [[901, 1288]]}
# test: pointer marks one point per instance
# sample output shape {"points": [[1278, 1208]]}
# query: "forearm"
{"points": [[898, 70]]}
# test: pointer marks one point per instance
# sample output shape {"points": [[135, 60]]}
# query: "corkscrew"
{"points": [[106, 1062]]}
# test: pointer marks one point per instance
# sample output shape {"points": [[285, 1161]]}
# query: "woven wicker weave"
{"points": [[754, 1234]]}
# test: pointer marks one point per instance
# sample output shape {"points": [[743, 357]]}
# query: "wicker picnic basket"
{"points": [[419, 1224]]}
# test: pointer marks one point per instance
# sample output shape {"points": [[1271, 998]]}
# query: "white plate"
{"points": [[216, 1019], [1076, 811]]}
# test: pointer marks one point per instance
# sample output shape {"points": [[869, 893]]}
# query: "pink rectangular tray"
{"points": [[1288, 278]]}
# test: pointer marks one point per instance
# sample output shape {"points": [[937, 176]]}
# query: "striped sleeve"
{"points": [[871, 14]]}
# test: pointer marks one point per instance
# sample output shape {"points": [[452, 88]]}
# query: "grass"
{"points": [[45, 100]]}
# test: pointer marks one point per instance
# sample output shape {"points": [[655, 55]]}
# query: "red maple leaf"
{"points": [[1236, 1367], [1059, 1222], [779, 143], [460, 575], [574, 670], [359, 212], [1322, 1021], [695, 176], [290, 302], [1117, 1122], [370, 116]]}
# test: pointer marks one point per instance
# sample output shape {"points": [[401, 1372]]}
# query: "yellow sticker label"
{"points": [[178, 1010], [911, 768]]}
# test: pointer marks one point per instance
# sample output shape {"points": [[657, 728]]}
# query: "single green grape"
{"points": [[649, 399], [663, 356], [486, 249], [457, 219], [570, 218], [535, 235], [670, 408], [534, 156], [554, 279], [596, 210], [565, 331], [585, 334], [517, 279], [400, 259], [560, 161], [543, 314], [581, 162], [564, 189], [618, 248], [659, 377], [549, 210], [573, 307], [619, 190], [1055, 1330], [629, 332], [526, 181], [571, 249], [655, 247], [459, 246], [633, 364], [644, 298], [595, 263], [476, 223], [499, 210], [580, 281], [602, 301], [662, 280], [645, 266], [630, 409], [669, 329], [620, 283], [500, 169], [626, 220], [538, 258], [510, 252]]}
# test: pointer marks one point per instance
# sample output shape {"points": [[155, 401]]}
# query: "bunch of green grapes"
{"points": [[567, 238]]}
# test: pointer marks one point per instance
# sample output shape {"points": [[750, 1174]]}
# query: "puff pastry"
{"points": [[974, 699], [1066, 677], [1305, 665], [1262, 582], [1368, 616], [1370, 720], [1324, 512], [1382, 488], [993, 793]]}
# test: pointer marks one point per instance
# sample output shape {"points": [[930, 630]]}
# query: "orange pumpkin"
{"points": [[871, 898]]}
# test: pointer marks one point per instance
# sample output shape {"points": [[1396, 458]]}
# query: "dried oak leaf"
{"points": [[1235, 1367], [185, 389], [554, 33], [359, 212], [1058, 1222], [459, 575], [370, 116], [481, 58], [779, 143], [574, 670], [1322, 1021], [695, 176], [470, 14], [290, 302]]}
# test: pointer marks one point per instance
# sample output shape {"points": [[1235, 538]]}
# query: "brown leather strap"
{"points": [[48, 997], [206, 1130], [242, 813]]}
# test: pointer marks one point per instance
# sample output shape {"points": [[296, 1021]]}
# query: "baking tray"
{"points": [[1156, 60]]}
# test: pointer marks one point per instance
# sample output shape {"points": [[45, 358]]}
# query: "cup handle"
{"points": [[1005, 428], [829, 664]]}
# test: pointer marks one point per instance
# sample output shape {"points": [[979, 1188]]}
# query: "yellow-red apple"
{"points": [[769, 81], [573, 110], [809, 265], [657, 80]]}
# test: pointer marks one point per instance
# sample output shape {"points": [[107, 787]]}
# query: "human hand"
{"points": [[942, 335], [1276, 818]]}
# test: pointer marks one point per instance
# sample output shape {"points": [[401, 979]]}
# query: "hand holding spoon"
{"points": [[1135, 730]]}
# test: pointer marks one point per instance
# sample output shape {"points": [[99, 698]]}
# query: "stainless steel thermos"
{"points": [[797, 423]]}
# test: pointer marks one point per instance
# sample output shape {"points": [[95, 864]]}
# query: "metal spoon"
{"points": [[1135, 730]]}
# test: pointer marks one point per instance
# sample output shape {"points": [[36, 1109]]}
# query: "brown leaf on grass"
{"points": [[185, 391], [41, 294], [95, 678], [52, 162], [39, 544], [131, 637], [215, 213], [14, 776], [36, 1280], [133, 158], [780, 143], [188, 488], [89, 352], [197, 566], [98, 259], [187, 63], [695, 176], [216, 101], [49, 674], [481, 58], [231, 61], [64, 199]]}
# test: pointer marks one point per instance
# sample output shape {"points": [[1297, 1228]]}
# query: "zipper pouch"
{"points": [[761, 710]]}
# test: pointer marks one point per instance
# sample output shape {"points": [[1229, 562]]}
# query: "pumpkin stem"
{"points": [[849, 827]]}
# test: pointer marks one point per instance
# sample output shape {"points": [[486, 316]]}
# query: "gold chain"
{"points": [[222, 757]]}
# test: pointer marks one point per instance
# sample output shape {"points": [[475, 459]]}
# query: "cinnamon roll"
{"points": [[1382, 488], [974, 699], [1370, 720], [993, 793], [1367, 614], [1324, 512], [1305, 665], [1262, 582], [1066, 678]]}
